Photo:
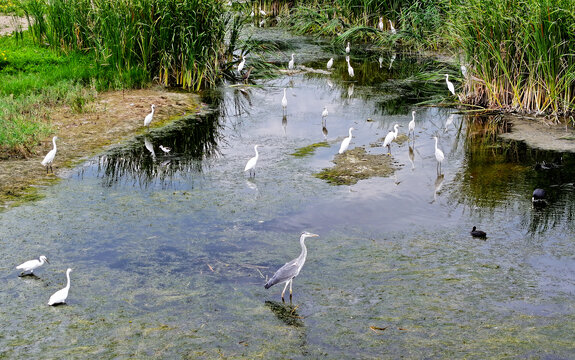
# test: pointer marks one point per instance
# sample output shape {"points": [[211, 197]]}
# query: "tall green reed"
{"points": [[519, 54], [177, 42]]}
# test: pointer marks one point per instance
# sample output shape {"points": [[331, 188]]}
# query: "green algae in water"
{"points": [[356, 164], [309, 150]]}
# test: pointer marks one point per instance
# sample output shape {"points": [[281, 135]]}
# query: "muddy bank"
{"points": [[112, 117], [541, 134]]}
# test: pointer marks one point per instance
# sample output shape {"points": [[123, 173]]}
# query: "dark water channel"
{"points": [[170, 252]]}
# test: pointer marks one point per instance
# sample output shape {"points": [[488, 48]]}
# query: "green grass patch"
{"points": [[309, 150]]}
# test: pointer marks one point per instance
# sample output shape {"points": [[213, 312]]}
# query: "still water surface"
{"points": [[170, 252]]}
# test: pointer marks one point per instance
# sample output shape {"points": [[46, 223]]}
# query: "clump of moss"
{"points": [[310, 149], [356, 164]]}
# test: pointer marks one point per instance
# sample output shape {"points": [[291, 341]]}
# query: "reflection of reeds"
{"points": [[191, 140]]}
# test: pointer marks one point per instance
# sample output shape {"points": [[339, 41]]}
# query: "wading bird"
{"points": [[149, 117], [411, 126], [284, 101], [329, 63], [350, 69], [324, 113], [291, 269], [291, 62], [165, 149], [59, 297], [347, 48], [478, 233], [438, 155], [392, 28], [390, 137], [449, 84], [49, 158], [380, 24], [345, 142], [242, 64], [251, 164], [31, 265]]}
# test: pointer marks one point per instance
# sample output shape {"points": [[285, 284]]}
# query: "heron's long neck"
{"points": [[68, 277], [303, 254], [256, 149], [435, 143], [54, 142], [350, 133]]}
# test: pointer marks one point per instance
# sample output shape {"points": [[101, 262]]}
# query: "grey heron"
{"points": [[290, 270]]}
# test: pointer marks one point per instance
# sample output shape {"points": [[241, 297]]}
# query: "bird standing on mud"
{"points": [[49, 158], [149, 117]]}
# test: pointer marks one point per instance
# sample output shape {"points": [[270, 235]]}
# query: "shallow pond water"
{"points": [[170, 252]]}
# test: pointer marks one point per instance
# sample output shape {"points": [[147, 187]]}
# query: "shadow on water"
{"points": [[287, 313], [185, 144], [495, 173]]}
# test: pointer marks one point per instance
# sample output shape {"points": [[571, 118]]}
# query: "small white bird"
{"points": [[242, 64], [165, 149], [438, 155], [449, 84], [251, 164], [411, 126], [347, 48], [350, 69], [59, 297], [345, 142], [324, 113], [464, 71], [291, 63], [380, 62], [390, 137], [30, 265], [392, 28], [149, 117], [284, 101], [330, 63], [380, 24], [262, 13], [49, 158], [392, 59]]}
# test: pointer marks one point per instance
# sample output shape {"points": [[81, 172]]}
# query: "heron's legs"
{"points": [[285, 287], [290, 292]]}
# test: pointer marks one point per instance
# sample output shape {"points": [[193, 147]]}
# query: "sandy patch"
{"points": [[542, 134], [112, 117], [10, 23]]}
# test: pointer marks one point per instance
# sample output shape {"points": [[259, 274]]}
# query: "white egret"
{"points": [[347, 48], [262, 13], [165, 149], [380, 62], [49, 158], [345, 142], [380, 24], [149, 117], [251, 164], [30, 265], [390, 137], [59, 297], [464, 71], [350, 69], [392, 28], [291, 269], [411, 126], [284, 101], [393, 56], [438, 154], [291, 62], [478, 233], [329, 63], [324, 113], [449, 121], [242, 64], [449, 84]]}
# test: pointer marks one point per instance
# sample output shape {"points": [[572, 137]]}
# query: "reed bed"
{"points": [[178, 42], [520, 54]]}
